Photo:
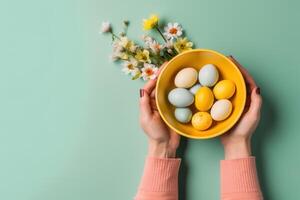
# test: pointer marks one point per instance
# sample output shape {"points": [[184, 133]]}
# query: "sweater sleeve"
{"points": [[239, 180], [160, 179]]}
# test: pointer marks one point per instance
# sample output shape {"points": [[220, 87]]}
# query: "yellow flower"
{"points": [[182, 44], [123, 56], [127, 44], [150, 23], [143, 56]]}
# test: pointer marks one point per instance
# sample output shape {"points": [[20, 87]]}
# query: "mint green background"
{"points": [[69, 117]]}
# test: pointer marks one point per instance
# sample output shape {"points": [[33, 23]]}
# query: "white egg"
{"points": [[208, 75], [183, 115], [186, 78], [195, 88], [221, 109], [180, 97]]}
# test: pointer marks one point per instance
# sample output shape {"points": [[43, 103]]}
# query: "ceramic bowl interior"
{"points": [[196, 59]]}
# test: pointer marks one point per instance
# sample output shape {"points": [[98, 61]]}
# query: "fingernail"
{"points": [[141, 93], [257, 90]]}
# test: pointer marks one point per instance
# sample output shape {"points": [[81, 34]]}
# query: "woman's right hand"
{"points": [[162, 141], [237, 141]]}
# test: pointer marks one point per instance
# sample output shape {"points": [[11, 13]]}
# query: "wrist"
{"points": [[160, 150], [237, 149]]}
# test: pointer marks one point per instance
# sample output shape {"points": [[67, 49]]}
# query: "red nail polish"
{"points": [[141, 92], [257, 90]]}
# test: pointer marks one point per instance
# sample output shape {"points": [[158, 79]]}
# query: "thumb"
{"points": [[256, 101], [145, 106]]}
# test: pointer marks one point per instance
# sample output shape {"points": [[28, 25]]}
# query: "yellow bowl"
{"points": [[196, 59]]}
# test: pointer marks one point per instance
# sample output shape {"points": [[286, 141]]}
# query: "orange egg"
{"points": [[224, 89], [204, 99], [201, 121]]}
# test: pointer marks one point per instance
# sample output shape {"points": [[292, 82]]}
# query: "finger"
{"points": [[152, 95], [149, 86], [145, 104], [248, 78], [256, 102], [247, 104], [153, 104]]}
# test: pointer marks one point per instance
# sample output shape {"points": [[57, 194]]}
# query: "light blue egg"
{"points": [[180, 97], [208, 75], [195, 88], [183, 115]]}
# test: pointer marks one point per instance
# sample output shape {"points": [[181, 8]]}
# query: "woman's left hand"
{"points": [[163, 141], [237, 142]]}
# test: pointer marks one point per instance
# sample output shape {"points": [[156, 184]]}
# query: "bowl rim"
{"points": [[225, 129]]}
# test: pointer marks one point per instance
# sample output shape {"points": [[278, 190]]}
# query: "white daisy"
{"points": [[135, 72], [169, 44], [149, 71], [127, 44], [130, 67], [106, 27], [173, 31], [155, 46], [117, 46], [117, 51], [119, 55], [133, 48], [147, 40], [124, 41], [145, 37]]}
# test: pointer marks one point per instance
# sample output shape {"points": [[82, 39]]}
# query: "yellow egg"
{"points": [[201, 121], [204, 99], [224, 89]]}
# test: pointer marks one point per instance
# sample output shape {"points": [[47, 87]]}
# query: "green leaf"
{"points": [[138, 75]]}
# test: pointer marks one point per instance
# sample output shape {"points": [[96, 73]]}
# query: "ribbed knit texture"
{"points": [[160, 180], [239, 180]]}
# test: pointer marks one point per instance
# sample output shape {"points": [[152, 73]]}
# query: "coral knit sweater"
{"points": [[238, 180]]}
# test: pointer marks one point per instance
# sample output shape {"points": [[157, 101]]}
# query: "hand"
{"points": [[163, 141], [237, 141]]}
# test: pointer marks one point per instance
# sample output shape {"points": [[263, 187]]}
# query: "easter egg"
{"points": [[201, 121], [186, 77], [208, 75], [183, 115], [224, 89], [221, 109], [180, 97], [195, 88], [204, 99]]}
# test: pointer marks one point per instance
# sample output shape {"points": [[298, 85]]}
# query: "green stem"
{"points": [[156, 57], [169, 54], [161, 34], [115, 36]]}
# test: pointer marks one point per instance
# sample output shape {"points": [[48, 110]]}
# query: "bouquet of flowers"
{"points": [[143, 61]]}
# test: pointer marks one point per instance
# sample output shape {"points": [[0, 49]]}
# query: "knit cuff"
{"points": [[160, 178], [239, 177]]}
